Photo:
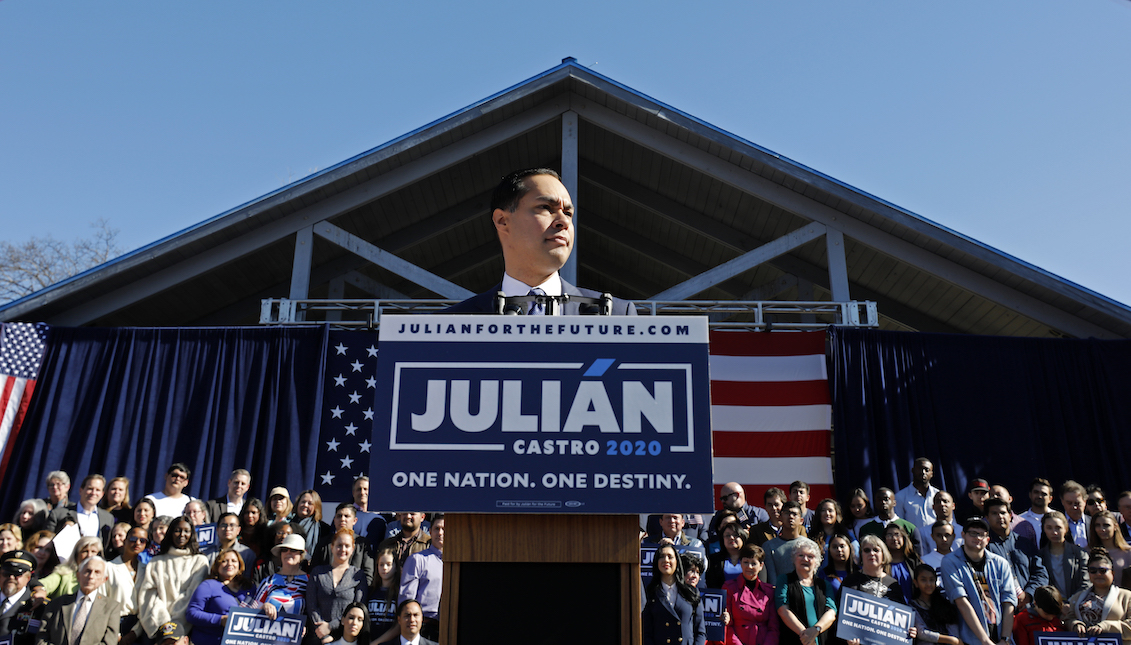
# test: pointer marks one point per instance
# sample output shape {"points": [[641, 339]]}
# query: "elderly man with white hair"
{"points": [[86, 617]]}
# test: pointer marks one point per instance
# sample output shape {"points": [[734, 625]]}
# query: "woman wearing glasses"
{"points": [[121, 578], [1103, 608], [285, 591]]}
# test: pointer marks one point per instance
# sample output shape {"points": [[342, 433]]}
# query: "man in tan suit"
{"points": [[86, 617]]}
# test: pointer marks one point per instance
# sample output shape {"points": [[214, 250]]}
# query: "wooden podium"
{"points": [[541, 579]]}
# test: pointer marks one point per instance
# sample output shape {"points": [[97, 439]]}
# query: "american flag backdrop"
{"points": [[21, 353], [771, 412], [344, 443]]}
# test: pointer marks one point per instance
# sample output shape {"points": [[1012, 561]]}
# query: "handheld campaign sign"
{"points": [[206, 536], [647, 555], [714, 604], [875, 621], [252, 627], [582, 414], [1071, 638]]}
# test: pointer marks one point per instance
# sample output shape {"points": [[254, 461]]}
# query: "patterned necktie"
{"points": [[79, 622], [536, 309]]}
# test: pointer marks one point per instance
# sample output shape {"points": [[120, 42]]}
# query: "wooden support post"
{"points": [[570, 179], [300, 270]]}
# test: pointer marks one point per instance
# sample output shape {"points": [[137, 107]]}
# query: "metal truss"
{"points": [[767, 315]]}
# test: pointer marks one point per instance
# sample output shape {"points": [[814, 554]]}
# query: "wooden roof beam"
{"points": [[742, 263], [391, 262]]}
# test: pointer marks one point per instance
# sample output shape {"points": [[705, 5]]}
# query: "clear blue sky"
{"points": [[1007, 121]]}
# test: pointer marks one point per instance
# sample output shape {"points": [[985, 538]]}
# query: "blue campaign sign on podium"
{"points": [[579, 414]]}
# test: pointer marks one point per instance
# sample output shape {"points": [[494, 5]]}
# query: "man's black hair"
{"points": [[992, 503], [512, 187], [405, 602]]}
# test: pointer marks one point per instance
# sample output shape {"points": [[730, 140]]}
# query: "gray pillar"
{"points": [[570, 179]]}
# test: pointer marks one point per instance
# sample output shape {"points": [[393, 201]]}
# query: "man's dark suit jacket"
{"points": [[219, 506], [56, 518], [11, 620], [484, 303], [101, 624]]}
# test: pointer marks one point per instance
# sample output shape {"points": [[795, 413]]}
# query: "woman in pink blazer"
{"points": [[751, 618]]}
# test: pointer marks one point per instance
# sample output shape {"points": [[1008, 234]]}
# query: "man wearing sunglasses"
{"points": [[171, 500], [733, 498], [20, 614]]}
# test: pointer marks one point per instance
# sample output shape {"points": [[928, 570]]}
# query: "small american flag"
{"points": [[347, 418], [21, 353]]}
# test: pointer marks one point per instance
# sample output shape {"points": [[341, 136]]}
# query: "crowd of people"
{"points": [[995, 575], [138, 573]]}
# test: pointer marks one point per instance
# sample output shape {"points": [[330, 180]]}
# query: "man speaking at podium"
{"points": [[533, 216]]}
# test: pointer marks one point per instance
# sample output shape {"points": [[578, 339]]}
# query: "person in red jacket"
{"points": [[751, 618], [1041, 616]]}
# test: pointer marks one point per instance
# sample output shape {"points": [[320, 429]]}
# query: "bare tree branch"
{"points": [[40, 262]]}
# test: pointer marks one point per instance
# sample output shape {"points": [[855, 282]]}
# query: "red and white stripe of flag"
{"points": [[771, 412], [21, 351]]}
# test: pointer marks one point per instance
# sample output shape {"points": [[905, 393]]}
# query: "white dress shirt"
{"points": [[87, 521]]}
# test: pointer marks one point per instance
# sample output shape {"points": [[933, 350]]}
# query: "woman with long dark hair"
{"points": [[861, 508], [253, 526], [1103, 532], [383, 595], [903, 558], [840, 563], [828, 520], [354, 626], [170, 578], [672, 612], [144, 513], [725, 565], [122, 576], [1066, 562]]}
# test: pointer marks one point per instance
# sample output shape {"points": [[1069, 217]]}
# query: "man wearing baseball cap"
{"points": [[172, 633], [981, 586], [978, 490], [20, 614]]}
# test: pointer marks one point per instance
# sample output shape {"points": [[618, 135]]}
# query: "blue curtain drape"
{"points": [[131, 401], [1005, 409]]}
